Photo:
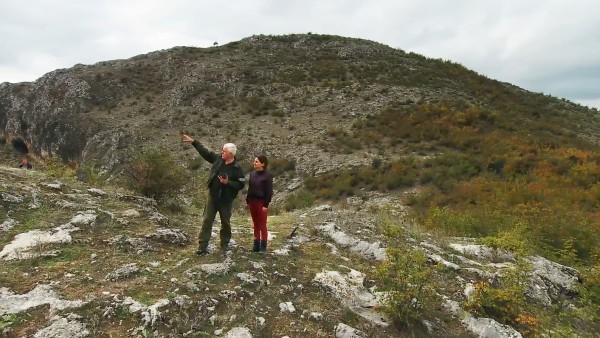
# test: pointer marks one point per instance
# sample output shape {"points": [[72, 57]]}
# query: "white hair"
{"points": [[230, 148]]}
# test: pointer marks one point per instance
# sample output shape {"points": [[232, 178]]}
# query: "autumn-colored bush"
{"points": [[505, 300]]}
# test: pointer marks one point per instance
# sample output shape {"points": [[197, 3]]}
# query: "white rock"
{"points": [[287, 307], [96, 192], [344, 331], [363, 248], [281, 252], [130, 213], [247, 278], [217, 268], [238, 332], [83, 219], [348, 288], [63, 327], [317, 316], [41, 295], [563, 276], [324, 207], [11, 198], [122, 272], [8, 224], [482, 252], [354, 201], [440, 260], [482, 327], [55, 186], [294, 184], [21, 245]]}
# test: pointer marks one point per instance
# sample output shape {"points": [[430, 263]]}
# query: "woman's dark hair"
{"points": [[263, 159]]}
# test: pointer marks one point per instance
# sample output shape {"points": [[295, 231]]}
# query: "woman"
{"points": [[260, 192]]}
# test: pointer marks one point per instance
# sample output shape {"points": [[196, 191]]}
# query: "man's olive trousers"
{"points": [[213, 206]]}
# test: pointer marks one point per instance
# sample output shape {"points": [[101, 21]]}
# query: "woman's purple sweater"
{"points": [[260, 187]]}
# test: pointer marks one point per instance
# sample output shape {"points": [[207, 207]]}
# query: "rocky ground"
{"points": [[81, 261]]}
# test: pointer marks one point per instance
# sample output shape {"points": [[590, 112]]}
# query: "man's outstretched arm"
{"points": [[206, 154]]}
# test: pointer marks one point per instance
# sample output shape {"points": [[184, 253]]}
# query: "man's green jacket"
{"points": [[236, 178]]}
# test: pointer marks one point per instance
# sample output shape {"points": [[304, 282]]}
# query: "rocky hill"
{"points": [[413, 198], [254, 92]]}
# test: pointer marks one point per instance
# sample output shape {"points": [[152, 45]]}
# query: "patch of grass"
{"points": [[9, 320], [71, 253]]}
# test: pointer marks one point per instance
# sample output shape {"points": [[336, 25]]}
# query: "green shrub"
{"points": [[195, 163], [454, 222], [515, 240], [299, 200], [88, 174], [155, 174], [444, 170], [376, 163], [56, 168], [590, 295], [407, 278], [394, 175], [280, 165]]}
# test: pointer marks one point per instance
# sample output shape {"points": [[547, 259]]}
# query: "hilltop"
{"points": [[305, 89]]}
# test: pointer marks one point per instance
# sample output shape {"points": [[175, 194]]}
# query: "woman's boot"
{"points": [[263, 246], [256, 246]]}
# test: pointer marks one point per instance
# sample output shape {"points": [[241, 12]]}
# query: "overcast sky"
{"points": [[548, 46]]}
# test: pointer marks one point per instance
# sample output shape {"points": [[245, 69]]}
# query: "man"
{"points": [[225, 180], [25, 164]]}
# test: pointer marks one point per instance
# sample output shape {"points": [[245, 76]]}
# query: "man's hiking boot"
{"points": [[226, 248], [201, 252]]}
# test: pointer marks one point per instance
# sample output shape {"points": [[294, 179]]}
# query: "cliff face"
{"points": [[44, 117], [257, 92]]}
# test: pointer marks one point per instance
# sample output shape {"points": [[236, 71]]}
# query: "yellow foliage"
{"points": [[544, 169], [579, 154]]}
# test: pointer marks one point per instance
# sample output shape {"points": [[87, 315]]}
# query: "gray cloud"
{"points": [[548, 46]]}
